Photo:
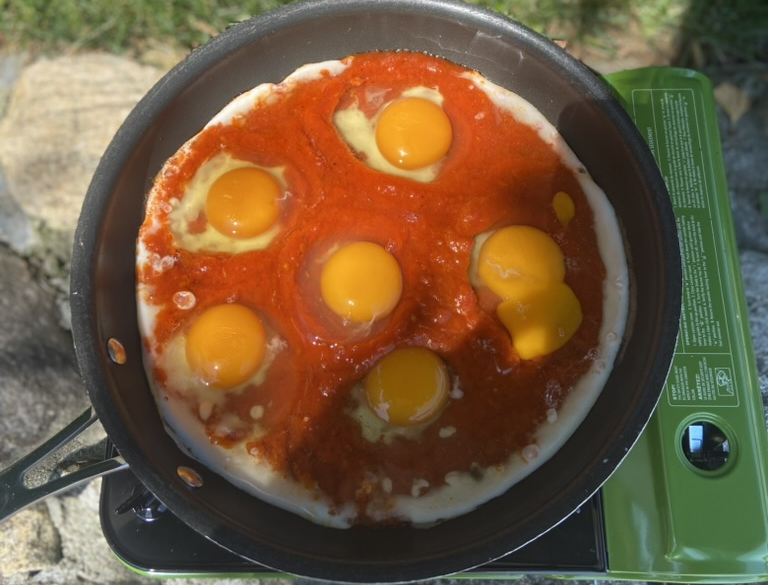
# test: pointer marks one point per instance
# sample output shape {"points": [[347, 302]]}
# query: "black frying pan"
{"points": [[266, 49]]}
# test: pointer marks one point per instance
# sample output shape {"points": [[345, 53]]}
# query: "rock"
{"points": [[40, 385], [62, 114], [59, 119], [85, 556], [15, 228], [29, 542], [744, 143], [40, 392], [10, 68], [754, 269]]}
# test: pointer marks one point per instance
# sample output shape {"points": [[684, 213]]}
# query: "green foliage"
{"points": [[120, 25], [124, 25], [714, 29], [727, 30]]}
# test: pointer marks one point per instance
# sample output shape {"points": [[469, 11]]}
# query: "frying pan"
{"points": [[266, 49]]}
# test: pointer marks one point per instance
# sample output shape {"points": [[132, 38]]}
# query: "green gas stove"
{"points": [[690, 501]]}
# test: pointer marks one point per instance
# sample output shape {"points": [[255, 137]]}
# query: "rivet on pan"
{"points": [[189, 476], [116, 351]]}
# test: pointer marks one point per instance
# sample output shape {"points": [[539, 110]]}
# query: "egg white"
{"points": [[359, 132], [181, 381], [373, 428], [474, 260], [187, 209]]}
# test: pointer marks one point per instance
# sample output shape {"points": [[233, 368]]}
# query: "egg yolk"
{"points": [[541, 321], [517, 257], [412, 133], [361, 282], [243, 203], [525, 267], [408, 386], [225, 345], [565, 210]]}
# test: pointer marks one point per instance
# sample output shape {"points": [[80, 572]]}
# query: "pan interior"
{"points": [[266, 49]]}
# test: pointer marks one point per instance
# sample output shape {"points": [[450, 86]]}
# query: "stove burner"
{"points": [[144, 504], [153, 540]]}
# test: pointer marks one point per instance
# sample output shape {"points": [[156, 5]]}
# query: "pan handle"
{"points": [[15, 495]]}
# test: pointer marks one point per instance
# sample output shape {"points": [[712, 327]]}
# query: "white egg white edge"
{"points": [[462, 492], [248, 473], [244, 103]]}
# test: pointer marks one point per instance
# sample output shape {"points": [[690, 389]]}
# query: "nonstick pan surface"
{"points": [[266, 49]]}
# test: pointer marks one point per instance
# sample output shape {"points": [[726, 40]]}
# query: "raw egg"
{"points": [[408, 386], [223, 350], [565, 209], [408, 136], [229, 205], [402, 394], [243, 202], [519, 257], [361, 282], [525, 268], [413, 133], [226, 345], [542, 320]]}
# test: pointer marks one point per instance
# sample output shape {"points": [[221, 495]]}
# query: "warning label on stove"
{"points": [[699, 379], [702, 369], [701, 326], [680, 148]]}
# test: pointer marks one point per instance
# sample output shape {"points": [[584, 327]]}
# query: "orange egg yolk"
{"points": [[361, 282], [525, 267], [412, 133], [225, 345], [541, 321], [243, 203], [565, 210], [408, 386], [517, 257]]}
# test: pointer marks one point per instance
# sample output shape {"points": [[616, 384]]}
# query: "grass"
{"points": [[718, 30], [723, 31]]}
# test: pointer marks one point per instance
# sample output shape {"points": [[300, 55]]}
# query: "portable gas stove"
{"points": [[690, 501]]}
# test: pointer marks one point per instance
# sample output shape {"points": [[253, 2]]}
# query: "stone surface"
{"points": [[754, 269], [61, 115], [29, 542], [745, 144], [40, 382], [56, 118]]}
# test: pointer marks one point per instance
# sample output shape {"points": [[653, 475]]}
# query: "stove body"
{"points": [[690, 501]]}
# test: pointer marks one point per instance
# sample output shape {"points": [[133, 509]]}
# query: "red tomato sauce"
{"points": [[498, 172]]}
